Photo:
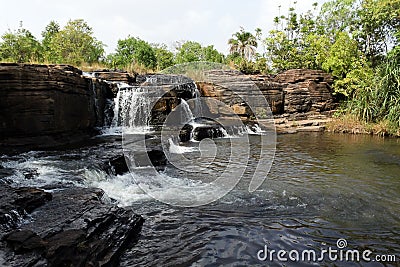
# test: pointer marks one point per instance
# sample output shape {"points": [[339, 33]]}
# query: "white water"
{"points": [[177, 149], [131, 109], [130, 187], [187, 115]]}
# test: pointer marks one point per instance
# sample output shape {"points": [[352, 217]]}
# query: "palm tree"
{"points": [[243, 43]]}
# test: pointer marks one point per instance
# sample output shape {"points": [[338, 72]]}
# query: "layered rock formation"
{"points": [[48, 105], [294, 91], [306, 90], [71, 227]]}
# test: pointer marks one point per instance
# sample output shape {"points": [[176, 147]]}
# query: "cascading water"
{"points": [[131, 109], [186, 115]]}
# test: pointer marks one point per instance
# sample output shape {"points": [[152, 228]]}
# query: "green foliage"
{"points": [[378, 22], [193, 51], [20, 46], [377, 98], [338, 16], [297, 42], [133, 51], [165, 58], [244, 43], [48, 34], [74, 44]]}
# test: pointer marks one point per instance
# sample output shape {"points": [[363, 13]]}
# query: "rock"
{"points": [[306, 90], [185, 134], [207, 131], [293, 91], [116, 165], [48, 105], [76, 228], [116, 76], [17, 202], [272, 91], [207, 128]]}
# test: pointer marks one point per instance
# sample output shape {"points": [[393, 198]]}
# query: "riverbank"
{"points": [[350, 124]]}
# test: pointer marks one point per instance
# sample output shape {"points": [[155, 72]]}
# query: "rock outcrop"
{"points": [[71, 227], [306, 90], [115, 76], [48, 105], [293, 91]]}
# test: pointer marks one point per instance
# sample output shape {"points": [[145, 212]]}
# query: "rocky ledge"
{"points": [[70, 227], [48, 105]]}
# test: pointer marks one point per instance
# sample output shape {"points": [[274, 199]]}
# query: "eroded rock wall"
{"points": [[293, 91], [48, 105]]}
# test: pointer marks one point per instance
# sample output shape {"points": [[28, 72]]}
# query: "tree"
{"points": [[212, 55], [165, 58], [301, 43], [74, 44], [191, 51], [20, 46], [48, 34], [338, 16], [347, 64], [244, 43], [378, 22], [133, 51]]}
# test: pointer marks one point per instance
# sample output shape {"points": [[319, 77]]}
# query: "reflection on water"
{"points": [[321, 187]]}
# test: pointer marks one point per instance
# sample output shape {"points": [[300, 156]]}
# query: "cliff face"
{"points": [[47, 105], [293, 91]]}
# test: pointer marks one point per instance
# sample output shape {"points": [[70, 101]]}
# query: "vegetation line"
{"points": [[357, 41]]}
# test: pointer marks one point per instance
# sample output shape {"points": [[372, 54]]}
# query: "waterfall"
{"points": [[131, 109], [186, 115]]}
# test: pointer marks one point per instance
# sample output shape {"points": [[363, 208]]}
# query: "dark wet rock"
{"points": [[17, 202], [116, 165], [77, 227], [205, 128], [207, 131], [185, 134], [154, 157], [30, 173]]}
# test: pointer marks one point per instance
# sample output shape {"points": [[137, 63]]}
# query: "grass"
{"points": [[349, 123]]}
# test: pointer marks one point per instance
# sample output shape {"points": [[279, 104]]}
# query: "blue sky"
{"points": [[156, 21]]}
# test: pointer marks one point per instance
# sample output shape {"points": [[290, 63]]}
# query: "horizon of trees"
{"points": [[357, 41]]}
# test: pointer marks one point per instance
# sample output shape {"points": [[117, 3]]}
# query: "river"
{"points": [[321, 188]]}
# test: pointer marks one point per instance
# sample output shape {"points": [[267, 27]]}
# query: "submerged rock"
{"points": [[72, 227]]}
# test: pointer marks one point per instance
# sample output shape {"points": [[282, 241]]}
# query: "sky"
{"points": [[155, 21]]}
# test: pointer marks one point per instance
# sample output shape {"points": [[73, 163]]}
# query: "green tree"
{"points": [[212, 55], [74, 44], [300, 43], [20, 46], [48, 34], [244, 43], [191, 51], [165, 58], [133, 51], [378, 22], [338, 16], [348, 65]]}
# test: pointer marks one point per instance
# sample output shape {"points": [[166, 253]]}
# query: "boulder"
{"points": [[76, 227]]}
